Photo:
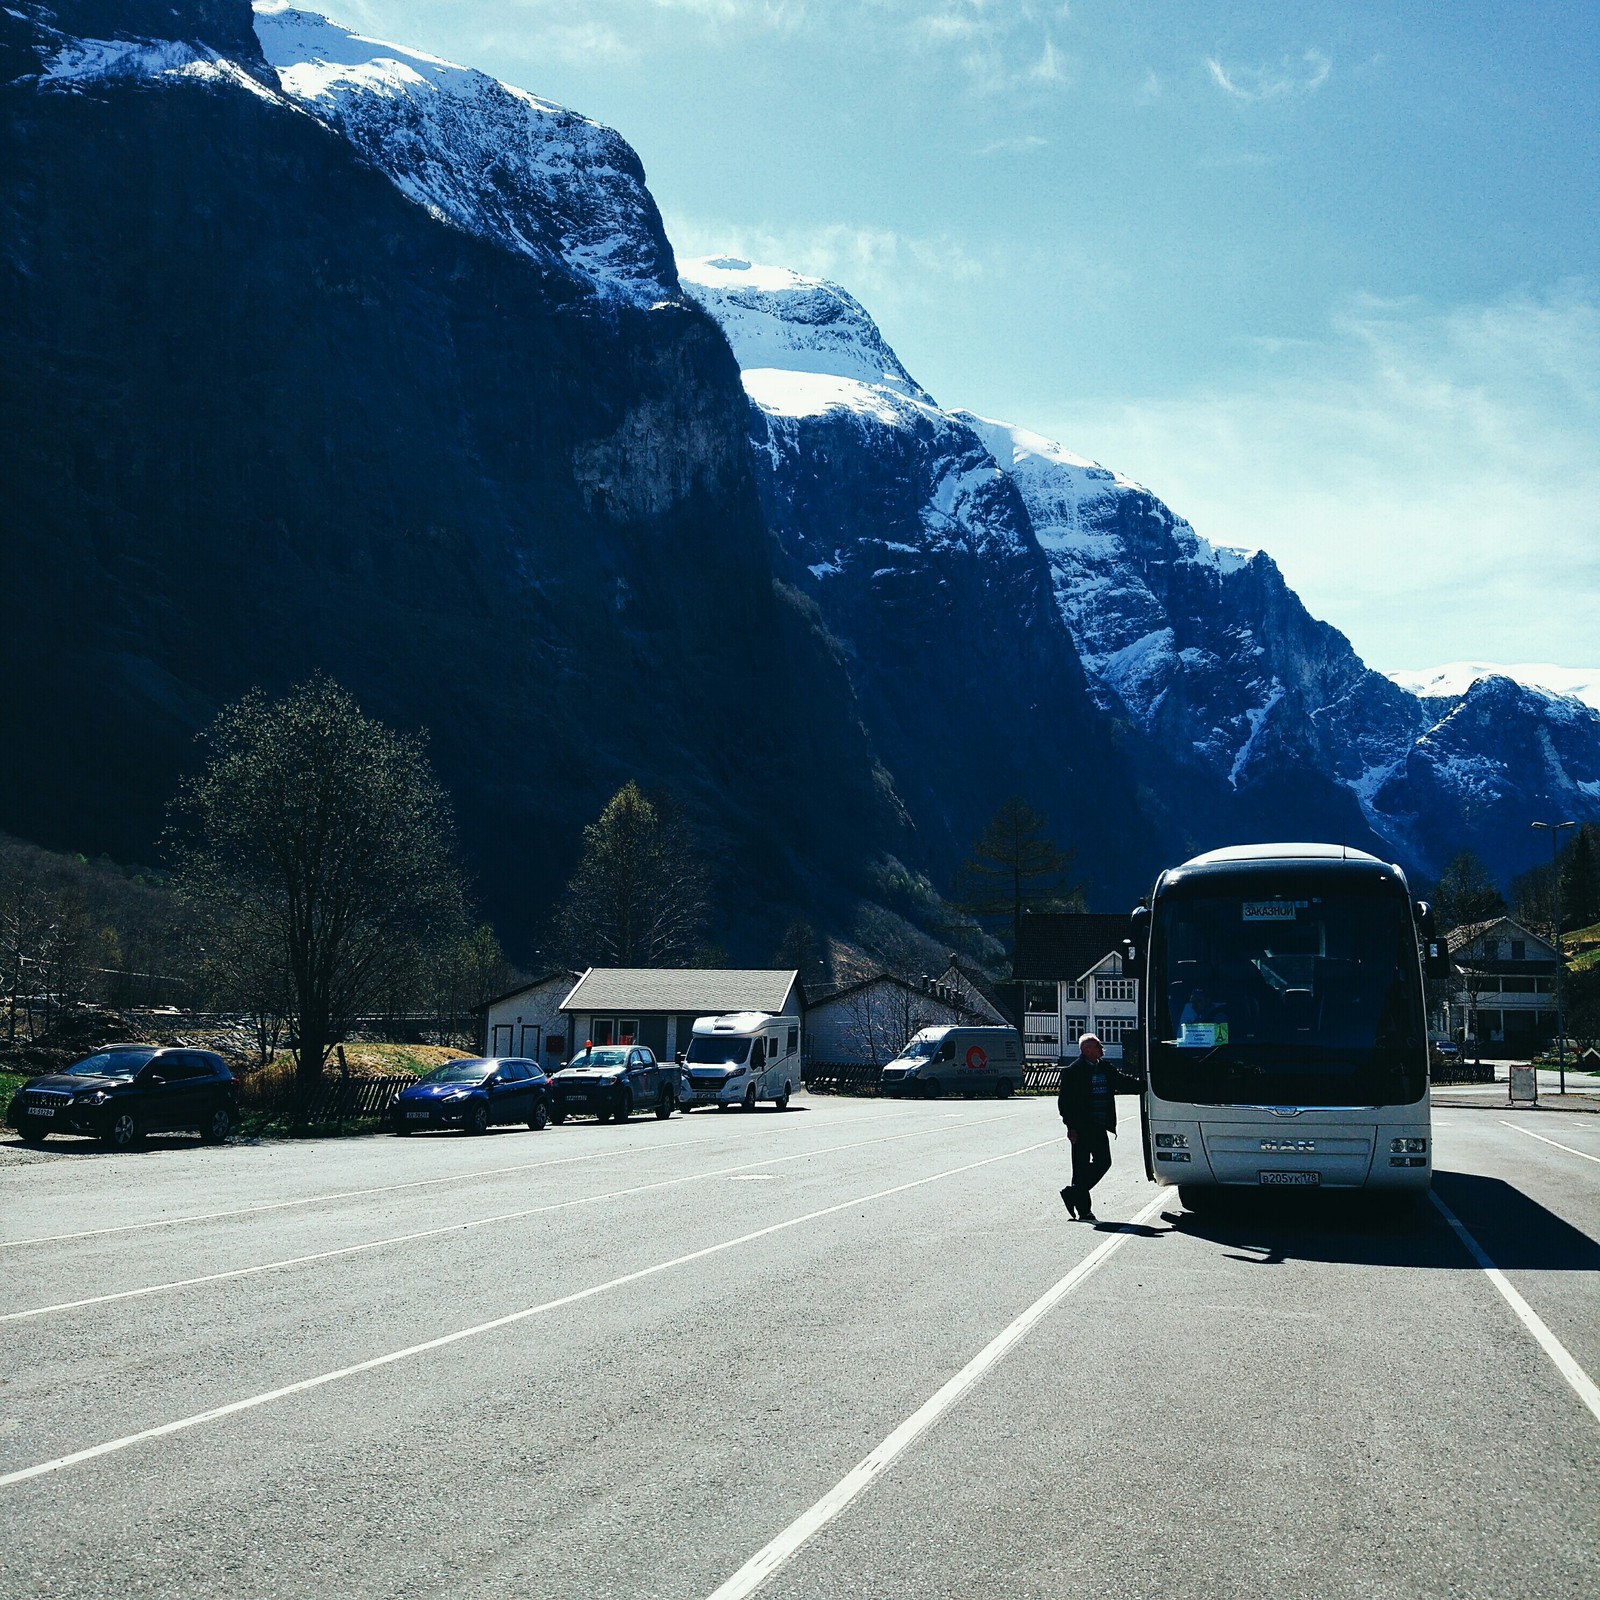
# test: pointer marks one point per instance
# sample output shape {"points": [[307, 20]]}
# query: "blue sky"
{"points": [[1324, 277]]}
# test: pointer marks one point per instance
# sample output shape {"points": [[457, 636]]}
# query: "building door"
{"points": [[500, 1045], [531, 1034]]}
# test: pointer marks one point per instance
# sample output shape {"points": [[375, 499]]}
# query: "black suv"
{"points": [[128, 1090]]}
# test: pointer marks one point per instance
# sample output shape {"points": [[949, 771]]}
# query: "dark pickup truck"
{"points": [[613, 1080]]}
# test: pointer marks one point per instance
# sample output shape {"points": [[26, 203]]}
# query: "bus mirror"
{"points": [[1138, 927], [1435, 950]]}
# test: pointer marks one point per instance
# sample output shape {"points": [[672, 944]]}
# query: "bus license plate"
{"points": [[1292, 1178]]}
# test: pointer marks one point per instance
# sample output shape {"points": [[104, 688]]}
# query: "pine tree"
{"points": [[1016, 867]]}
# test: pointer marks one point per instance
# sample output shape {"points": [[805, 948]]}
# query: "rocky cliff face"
{"points": [[297, 378], [920, 556]]}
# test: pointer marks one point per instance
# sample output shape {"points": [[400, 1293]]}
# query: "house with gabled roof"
{"points": [[866, 1023], [1503, 988], [1072, 980], [657, 1006], [527, 1020]]}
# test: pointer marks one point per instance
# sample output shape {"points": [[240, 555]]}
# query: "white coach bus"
{"points": [[1283, 1033]]}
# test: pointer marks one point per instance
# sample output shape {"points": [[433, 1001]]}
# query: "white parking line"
{"points": [[1582, 1384], [772, 1555], [1553, 1142], [93, 1452], [452, 1227], [351, 1194]]}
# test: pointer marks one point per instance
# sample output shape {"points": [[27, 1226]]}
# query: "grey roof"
{"points": [[706, 991], [1061, 946]]}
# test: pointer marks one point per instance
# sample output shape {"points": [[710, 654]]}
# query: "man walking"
{"points": [[1088, 1106]]}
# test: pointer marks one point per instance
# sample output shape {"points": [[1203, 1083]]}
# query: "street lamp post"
{"points": [[1554, 829]]}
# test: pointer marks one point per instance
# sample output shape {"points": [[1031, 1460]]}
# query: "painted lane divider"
{"points": [[776, 1552], [1552, 1142], [216, 1413], [355, 1194], [449, 1227], [1582, 1384]]}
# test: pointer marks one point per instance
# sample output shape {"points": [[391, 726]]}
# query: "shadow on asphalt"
{"points": [[1517, 1232]]}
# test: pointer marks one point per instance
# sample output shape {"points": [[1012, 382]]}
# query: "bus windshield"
{"points": [[1277, 988]]}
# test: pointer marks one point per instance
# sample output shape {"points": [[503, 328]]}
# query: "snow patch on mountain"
{"points": [[486, 156], [782, 321], [1455, 678], [77, 64]]}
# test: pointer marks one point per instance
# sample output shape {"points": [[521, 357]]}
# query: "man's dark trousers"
{"points": [[1091, 1160]]}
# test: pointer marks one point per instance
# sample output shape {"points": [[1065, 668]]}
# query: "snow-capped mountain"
{"points": [[1455, 678], [1254, 717], [472, 151], [918, 552]]}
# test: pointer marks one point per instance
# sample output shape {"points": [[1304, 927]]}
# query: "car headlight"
{"points": [[98, 1098]]}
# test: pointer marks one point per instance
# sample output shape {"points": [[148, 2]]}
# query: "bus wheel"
{"points": [[1193, 1197], [782, 1102], [750, 1098], [930, 1089]]}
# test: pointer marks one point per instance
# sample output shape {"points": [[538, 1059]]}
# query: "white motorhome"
{"points": [[951, 1059], [742, 1058]]}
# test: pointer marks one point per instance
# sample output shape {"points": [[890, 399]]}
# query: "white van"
{"points": [[742, 1058], [954, 1060]]}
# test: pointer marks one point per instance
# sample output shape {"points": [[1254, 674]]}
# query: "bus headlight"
{"points": [[1172, 1141]]}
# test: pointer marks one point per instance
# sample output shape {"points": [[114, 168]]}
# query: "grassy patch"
{"points": [[10, 1082], [390, 1060]]}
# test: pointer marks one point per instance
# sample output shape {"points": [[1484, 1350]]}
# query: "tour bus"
{"points": [[1283, 1028], [742, 1058]]}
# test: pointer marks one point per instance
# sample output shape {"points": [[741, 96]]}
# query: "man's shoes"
{"points": [[1069, 1199], [1086, 1212]]}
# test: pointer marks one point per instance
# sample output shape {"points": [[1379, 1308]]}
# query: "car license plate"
{"points": [[578, 1099], [417, 1116], [1292, 1179], [41, 1111]]}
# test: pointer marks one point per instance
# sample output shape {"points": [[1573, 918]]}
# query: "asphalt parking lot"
{"points": [[857, 1349]]}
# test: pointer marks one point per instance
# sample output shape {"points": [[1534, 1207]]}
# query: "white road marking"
{"points": [[351, 1194], [1582, 1384], [1542, 1140], [748, 1167], [93, 1452], [771, 1556]]}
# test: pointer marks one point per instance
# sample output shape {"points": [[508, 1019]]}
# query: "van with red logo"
{"points": [[952, 1059]]}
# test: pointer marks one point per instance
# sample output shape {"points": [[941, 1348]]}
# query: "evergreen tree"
{"points": [[1014, 867], [1465, 893], [1580, 879], [639, 896]]}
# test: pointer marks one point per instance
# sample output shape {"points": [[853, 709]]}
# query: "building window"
{"points": [[627, 1030], [1113, 1029], [1074, 991], [603, 1030], [1076, 1027], [1115, 988], [1040, 997]]}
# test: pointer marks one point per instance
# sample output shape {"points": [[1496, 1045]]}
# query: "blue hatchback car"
{"points": [[474, 1094]]}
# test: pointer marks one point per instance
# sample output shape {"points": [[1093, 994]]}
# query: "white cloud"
{"points": [[1428, 480], [1017, 145], [1292, 76]]}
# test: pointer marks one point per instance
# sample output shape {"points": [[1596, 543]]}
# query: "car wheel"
{"points": [[121, 1131], [930, 1090], [539, 1117], [664, 1105], [219, 1127], [749, 1101], [624, 1108], [476, 1120]]}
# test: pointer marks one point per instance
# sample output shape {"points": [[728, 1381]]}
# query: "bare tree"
{"points": [[321, 837]]}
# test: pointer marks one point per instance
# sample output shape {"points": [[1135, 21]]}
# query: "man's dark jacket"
{"points": [[1087, 1098]]}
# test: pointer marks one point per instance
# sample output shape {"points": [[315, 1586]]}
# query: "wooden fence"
{"points": [[338, 1099]]}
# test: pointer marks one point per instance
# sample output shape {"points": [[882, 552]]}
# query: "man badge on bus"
{"points": [[1087, 1102]]}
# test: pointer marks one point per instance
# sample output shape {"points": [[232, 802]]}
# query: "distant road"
{"points": [[853, 1350]]}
